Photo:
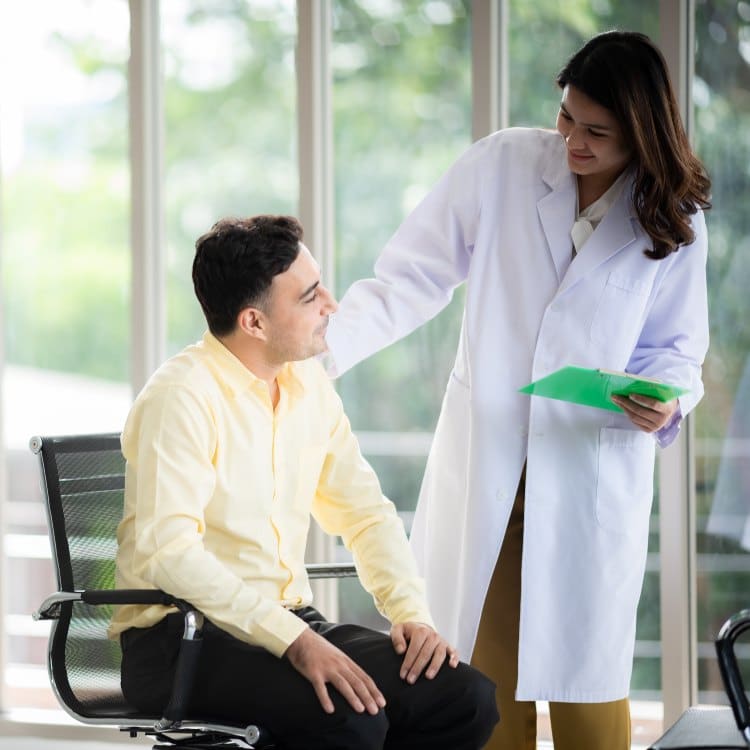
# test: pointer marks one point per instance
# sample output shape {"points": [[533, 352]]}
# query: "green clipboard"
{"points": [[581, 385]]}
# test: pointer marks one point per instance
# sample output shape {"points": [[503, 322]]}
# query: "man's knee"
{"points": [[480, 704], [346, 729]]}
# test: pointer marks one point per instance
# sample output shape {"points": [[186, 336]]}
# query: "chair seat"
{"points": [[703, 728]]}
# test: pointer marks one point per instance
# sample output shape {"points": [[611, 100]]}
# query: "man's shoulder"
{"points": [[190, 370]]}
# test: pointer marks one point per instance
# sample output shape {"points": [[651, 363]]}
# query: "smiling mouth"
{"points": [[579, 157]]}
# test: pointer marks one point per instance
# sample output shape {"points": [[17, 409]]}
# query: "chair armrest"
{"points": [[50, 607], [331, 570], [190, 647]]}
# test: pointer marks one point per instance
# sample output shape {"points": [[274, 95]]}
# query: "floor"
{"points": [[34, 743], [43, 732]]}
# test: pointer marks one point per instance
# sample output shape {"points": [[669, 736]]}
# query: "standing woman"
{"points": [[583, 246]]}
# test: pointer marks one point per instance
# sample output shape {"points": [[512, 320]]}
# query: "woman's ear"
{"points": [[252, 322]]}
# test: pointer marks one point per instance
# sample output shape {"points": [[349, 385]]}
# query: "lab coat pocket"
{"points": [[618, 317], [625, 480]]}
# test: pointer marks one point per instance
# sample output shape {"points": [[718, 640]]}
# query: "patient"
{"points": [[231, 447]]}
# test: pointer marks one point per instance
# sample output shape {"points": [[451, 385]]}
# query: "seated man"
{"points": [[232, 445]]}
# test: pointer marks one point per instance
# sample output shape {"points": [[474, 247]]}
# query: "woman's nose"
{"points": [[574, 137]]}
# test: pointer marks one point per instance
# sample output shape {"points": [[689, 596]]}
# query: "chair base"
{"points": [[198, 739], [703, 728]]}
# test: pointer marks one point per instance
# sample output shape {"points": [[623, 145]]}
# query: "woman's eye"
{"points": [[311, 299], [596, 133]]}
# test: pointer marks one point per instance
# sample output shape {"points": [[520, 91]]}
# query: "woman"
{"points": [[583, 246]]}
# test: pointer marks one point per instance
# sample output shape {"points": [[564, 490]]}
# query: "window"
{"points": [[402, 111], [64, 155], [402, 114], [230, 133], [722, 469]]}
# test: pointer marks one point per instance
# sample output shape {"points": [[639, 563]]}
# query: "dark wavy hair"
{"points": [[625, 72], [235, 263]]}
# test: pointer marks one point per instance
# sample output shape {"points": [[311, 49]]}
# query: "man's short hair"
{"points": [[235, 263]]}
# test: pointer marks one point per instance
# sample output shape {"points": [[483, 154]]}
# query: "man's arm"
{"points": [[350, 503]]}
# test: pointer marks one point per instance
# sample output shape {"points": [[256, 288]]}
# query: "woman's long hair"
{"points": [[626, 73]]}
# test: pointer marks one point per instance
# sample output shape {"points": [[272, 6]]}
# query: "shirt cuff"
{"points": [[666, 435], [278, 630]]}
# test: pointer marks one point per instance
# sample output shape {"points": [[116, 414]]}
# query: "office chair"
{"points": [[717, 727], [83, 481]]}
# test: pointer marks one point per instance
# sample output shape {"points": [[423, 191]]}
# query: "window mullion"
{"points": [[148, 319], [315, 146], [677, 505]]}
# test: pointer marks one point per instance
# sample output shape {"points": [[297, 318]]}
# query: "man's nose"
{"points": [[330, 304]]}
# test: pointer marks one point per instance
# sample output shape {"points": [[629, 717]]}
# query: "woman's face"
{"points": [[593, 137]]}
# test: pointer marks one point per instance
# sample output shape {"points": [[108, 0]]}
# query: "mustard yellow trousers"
{"points": [[575, 726]]}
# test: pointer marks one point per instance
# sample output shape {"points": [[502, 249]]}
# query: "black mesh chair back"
{"points": [[84, 483]]}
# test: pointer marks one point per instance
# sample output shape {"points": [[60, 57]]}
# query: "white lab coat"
{"points": [[500, 220]]}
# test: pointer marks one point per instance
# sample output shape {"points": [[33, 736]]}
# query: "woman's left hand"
{"points": [[648, 414]]}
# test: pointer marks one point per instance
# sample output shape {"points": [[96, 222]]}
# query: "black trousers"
{"points": [[456, 710]]}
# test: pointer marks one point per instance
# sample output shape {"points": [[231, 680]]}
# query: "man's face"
{"points": [[297, 311]]}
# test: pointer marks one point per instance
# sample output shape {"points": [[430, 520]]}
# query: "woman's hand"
{"points": [[648, 414]]}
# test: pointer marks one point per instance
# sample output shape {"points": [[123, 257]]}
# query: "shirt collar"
{"points": [[237, 378], [595, 212], [588, 219]]}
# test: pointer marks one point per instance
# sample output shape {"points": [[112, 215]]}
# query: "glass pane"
{"points": [[401, 107], [722, 110], [66, 270], [534, 99], [402, 114], [230, 143]]}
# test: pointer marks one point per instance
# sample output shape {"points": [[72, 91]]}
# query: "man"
{"points": [[230, 448]]}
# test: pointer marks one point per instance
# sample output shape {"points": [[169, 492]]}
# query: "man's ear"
{"points": [[252, 322]]}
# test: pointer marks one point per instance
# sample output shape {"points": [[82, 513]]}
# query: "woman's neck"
{"points": [[591, 187]]}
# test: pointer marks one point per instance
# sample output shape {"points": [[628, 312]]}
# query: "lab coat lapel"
{"points": [[615, 232], [557, 213]]}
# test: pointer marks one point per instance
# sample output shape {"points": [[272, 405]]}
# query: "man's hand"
{"points": [[648, 414], [422, 646], [321, 662]]}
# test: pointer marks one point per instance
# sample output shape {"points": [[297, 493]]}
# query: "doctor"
{"points": [[583, 246]]}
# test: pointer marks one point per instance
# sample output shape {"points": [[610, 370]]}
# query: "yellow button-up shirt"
{"points": [[220, 487]]}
